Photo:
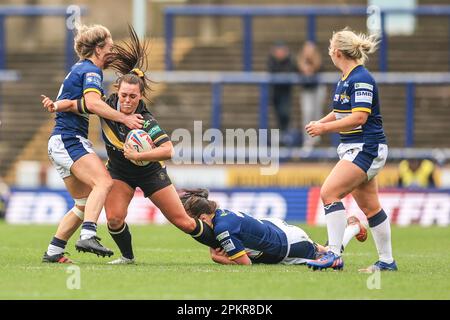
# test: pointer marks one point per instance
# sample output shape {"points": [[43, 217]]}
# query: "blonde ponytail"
{"points": [[354, 46]]}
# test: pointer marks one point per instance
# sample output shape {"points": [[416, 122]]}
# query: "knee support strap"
{"points": [[78, 212]]}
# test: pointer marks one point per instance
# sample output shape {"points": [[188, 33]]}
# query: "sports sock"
{"points": [[122, 237], [336, 223], [56, 246], [350, 231], [88, 230], [381, 231], [204, 234]]}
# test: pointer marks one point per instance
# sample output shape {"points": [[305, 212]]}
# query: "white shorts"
{"points": [[64, 150], [371, 158], [294, 234]]}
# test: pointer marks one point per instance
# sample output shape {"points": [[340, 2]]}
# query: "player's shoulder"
{"points": [[142, 109], [112, 99], [89, 68], [224, 219], [362, 75]]}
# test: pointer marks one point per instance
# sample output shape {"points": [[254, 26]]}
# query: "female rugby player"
{"points": [[71, 152], [362, 152], [152, 178], [246, 240]]}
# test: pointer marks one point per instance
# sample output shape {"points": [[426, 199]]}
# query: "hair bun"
{"points": [[138, 72], [202, 193]]}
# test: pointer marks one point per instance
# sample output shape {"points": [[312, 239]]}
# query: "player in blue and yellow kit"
{"points": [[152, 178], [71, 152], [246, 240], [363, 150]]}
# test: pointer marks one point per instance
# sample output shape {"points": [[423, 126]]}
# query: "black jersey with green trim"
{"points": [[115, 133], [84, 77], [240, 233], [358, 92]]}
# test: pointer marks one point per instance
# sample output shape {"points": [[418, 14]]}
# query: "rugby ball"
{"points": [[141, 141]]}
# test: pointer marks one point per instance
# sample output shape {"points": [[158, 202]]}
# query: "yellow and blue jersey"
{"points": [[115, 133], [357, 91], [240, 233], [84, 77]]}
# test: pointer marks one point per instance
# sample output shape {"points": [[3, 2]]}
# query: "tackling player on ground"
{"points": [[246, 240]]}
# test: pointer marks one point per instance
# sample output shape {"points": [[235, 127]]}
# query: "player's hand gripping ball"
{"points": [[140, 141]]}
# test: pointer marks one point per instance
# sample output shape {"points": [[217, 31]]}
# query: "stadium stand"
{"points": [[177, 105]]}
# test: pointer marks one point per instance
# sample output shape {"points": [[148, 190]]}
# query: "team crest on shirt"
{"points": [[162, 176], [345, 98], [121, 130]]}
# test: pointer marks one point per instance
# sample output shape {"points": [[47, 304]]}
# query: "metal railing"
{"points": [[38, 11], [247, 13], [264, 80]]}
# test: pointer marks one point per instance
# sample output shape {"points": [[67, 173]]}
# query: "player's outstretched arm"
{"points": [[60, 106], [219, 256], [244, 259], [96, 105]]}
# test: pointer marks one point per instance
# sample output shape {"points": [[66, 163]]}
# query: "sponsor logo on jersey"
{"points": [[146, 124], [94, 78], [93, 74], [362, 85], [336, 97], [363, 96], [154, 130], [228, 245], [223, 235]]}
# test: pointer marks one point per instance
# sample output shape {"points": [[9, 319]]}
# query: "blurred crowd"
{"points": [[4, 196], [308, 63]]}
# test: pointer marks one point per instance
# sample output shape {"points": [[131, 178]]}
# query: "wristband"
{"points": [[56, 105]]}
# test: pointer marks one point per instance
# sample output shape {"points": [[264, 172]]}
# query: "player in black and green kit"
{"points": [[152, 178]]}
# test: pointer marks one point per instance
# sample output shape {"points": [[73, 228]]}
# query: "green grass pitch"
{"points": [[173, 266]]}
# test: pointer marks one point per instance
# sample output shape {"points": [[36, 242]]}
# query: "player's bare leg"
{"points": [[366, 196], [69, 223], [116, 207], [90, 170], [168, 201]]}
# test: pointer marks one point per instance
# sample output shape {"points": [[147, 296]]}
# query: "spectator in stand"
{"points": [[4, 196], [281, 61], [417, 173], [312, 96]]}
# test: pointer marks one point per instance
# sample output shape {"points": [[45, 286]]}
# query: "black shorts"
{"points": [[149, 183]]}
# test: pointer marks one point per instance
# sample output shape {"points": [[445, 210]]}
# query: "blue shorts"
{"points": [[371, 158], [64, 150]]}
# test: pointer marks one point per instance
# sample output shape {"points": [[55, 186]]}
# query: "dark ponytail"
{"points": [[129, 60], [195, 202]]}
